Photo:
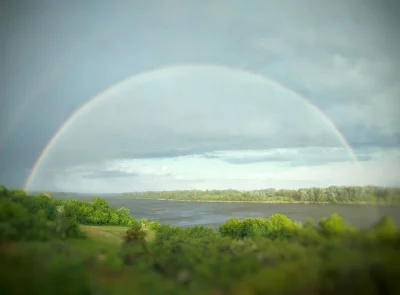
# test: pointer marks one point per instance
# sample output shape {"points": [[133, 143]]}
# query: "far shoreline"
{"points": [[265, 202]]}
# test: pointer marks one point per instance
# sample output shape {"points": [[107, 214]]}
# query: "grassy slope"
{"points": [[105, 234], [105, 270], [103, 265], [101, 239]]}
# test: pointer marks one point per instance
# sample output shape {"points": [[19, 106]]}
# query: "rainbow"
{"points": [[147, 75]]}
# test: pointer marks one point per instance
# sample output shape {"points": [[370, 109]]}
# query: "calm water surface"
{"points": [[185, 214]]}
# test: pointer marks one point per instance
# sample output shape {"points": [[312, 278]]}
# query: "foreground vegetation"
{"points": [[330, 195], [45, 250]]}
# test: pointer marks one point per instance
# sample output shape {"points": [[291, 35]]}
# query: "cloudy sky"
{"points": [[200, 94]]}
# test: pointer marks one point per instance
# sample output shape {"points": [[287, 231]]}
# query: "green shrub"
{"points": [[231, 228], [333, 226]]}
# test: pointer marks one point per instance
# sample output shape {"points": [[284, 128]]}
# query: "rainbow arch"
{"points": [[147, 76]]}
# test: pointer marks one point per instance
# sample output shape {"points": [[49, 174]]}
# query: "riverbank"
{"points": [[338, 195], [264, 202]]}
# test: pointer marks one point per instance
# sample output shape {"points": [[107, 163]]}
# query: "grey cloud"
{"points": [[260, 159], [171, 153], [298, 157], [322, 61], [361, 136], [338, 54], [210, 156], [109, 174], [316, 161]]}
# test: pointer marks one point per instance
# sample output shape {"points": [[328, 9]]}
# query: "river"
{"points": [[186, 214]]}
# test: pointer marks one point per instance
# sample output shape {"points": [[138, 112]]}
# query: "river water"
{"points": [[186, 214]]}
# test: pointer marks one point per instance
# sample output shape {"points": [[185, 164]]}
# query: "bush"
{"points": [[333, 226], [231, 228], [276, 227], [20, 223]]}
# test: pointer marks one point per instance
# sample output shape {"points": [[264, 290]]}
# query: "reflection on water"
{"points": [[185, 214]]}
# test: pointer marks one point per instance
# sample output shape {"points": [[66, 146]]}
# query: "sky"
{"points": [[199, 94]]}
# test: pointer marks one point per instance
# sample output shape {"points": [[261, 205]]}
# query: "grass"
{"points": [[105, 269], [101, 240], [105, 234]]}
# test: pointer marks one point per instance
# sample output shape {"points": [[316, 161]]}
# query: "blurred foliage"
{"points": [[41, 253]]}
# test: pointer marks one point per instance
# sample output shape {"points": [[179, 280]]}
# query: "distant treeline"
{"points": [[330, 195]]}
